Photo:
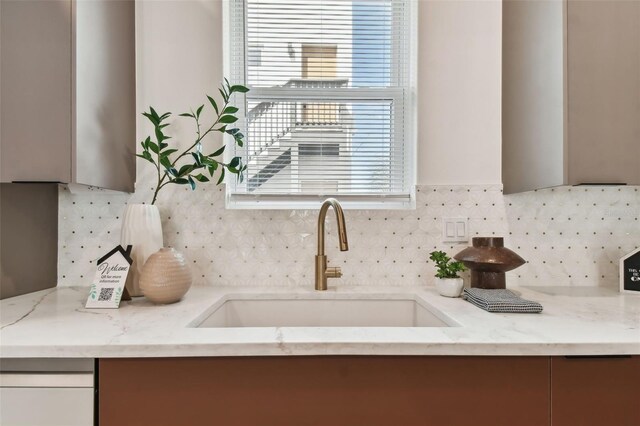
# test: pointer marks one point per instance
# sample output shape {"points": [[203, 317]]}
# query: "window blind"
{"points": [[328, 111]]}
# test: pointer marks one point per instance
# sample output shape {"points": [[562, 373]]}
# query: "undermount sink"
{"points": [[313, 311]]}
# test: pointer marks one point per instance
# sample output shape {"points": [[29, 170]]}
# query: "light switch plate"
{"points": [[455, 230]]}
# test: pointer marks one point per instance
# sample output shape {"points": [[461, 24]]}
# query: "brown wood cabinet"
{"points": [[595, 391], [332, 391], [371, 390]]}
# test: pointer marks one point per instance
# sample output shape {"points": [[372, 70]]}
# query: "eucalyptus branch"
{"points": [[197, 119], [200, 138], [167, 169]]}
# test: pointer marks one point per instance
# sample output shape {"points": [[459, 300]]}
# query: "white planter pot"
{"points": [[449, 287], [142, 229]]}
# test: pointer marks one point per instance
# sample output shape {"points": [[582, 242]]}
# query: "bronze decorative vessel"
{"points": [[488, 260]]}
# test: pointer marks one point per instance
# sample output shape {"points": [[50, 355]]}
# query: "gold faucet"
{"points": [[322, 272]]}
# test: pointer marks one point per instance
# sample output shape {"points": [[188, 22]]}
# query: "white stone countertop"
{"points": [[575, 321]]}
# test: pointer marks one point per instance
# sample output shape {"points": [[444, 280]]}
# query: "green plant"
{"points": [[193, 163], [447, 268]]}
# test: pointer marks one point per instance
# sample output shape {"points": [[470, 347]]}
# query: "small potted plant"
{"points": [[448, 282]]}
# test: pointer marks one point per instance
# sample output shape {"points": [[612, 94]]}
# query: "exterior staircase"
{"points": [[271, 126]]}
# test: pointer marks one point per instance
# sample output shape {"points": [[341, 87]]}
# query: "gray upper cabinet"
{"points": [[67, 92], [571, 93], [603, 61]]}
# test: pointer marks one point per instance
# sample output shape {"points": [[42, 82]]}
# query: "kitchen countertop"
{"points": [[576, 321]]}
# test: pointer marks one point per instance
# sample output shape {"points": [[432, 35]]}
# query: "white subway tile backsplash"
{"points": [[568, 235]]}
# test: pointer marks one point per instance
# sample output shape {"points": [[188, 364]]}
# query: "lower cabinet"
{"points": [[46, 392], [371, 390], [323, 390], [331, 391], [46, 405], [595, 391]]}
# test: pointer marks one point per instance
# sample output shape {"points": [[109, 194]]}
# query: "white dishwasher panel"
{"points": [[46, 406]]}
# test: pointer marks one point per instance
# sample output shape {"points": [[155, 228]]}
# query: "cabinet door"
{"points": [[595, 391], [45, 398], [603, 60], [35, 80], [104, 139], [68, 105], [331, 390], [46, 406]]}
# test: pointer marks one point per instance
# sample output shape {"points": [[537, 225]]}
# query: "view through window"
{"points": [[327, 113]]}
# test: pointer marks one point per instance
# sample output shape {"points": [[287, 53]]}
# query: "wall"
{"points": [[28, 231], [568, 235], [459, 84], [459, 79]]}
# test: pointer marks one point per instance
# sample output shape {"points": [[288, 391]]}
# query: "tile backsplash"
{"points": [[568, 235]]}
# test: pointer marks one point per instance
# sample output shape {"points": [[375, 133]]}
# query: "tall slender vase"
{"points": [[142, 228]]}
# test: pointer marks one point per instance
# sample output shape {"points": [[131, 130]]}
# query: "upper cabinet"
{"points": [[603, 87], [571, 93], [67, 84]]}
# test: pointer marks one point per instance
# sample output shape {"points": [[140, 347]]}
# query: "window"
{"points": [[330, 107]]}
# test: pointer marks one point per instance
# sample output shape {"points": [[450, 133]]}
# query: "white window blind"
{"points": [[329, 111]]}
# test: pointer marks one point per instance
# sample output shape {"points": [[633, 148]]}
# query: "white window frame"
{"points": [[235, 200]]}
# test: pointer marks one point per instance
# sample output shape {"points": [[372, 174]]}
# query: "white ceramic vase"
{"points": [[449, 287], [142, 229], [165, 277]]}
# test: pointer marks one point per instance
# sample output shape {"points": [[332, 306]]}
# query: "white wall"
{"points": [[564, 242], [180, 58], [459, 69]]}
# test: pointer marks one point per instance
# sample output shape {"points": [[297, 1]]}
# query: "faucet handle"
{"points": [[334, 272]]}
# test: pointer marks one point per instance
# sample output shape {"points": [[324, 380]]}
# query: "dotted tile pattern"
{"points": [[568, 235]]}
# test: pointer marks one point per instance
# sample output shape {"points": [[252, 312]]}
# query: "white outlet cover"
{"points": [[455, 229]]}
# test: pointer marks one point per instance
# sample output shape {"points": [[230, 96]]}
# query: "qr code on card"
{"points": [[105, 294]]}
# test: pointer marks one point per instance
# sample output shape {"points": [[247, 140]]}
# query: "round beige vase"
{"points": [[165, 277]]}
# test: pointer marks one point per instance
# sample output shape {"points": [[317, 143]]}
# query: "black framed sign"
{"points": [[630, 273], [108, 286]]}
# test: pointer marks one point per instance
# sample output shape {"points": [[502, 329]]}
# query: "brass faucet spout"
{"points": [[322, 271], [342, 228]]}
